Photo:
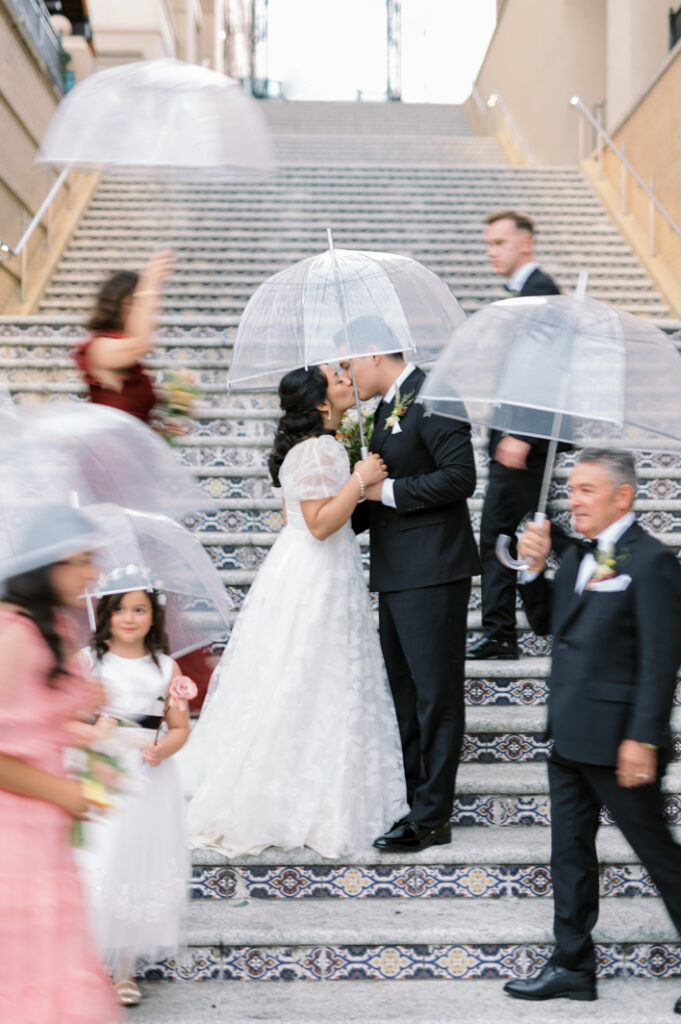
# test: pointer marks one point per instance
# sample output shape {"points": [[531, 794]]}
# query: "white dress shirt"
{"points": [[520, 276], [387, 492], [606, 539]]}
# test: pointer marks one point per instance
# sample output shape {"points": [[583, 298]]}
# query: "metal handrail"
{"points": [[602, 138], [33, 16], [494, 101], [20, 249]]}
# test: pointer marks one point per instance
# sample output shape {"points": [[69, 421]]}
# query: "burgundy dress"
{"points": [[137, 396]]}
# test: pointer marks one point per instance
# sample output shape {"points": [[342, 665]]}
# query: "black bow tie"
{"points": [[587, 546]]}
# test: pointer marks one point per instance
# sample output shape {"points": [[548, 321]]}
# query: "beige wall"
{"points": [[27, 102], [542, 52], [652, 138], [127, 30], [637, 47], [130, 30]]}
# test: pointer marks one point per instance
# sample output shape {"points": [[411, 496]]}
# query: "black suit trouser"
{"points": [[511, 494], [423, 637], [577, 793]]}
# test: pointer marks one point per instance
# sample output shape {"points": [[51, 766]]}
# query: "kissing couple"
{"points": [[313, 733]]}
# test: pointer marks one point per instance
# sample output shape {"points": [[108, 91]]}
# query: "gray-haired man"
{"points": [[614, 611]]}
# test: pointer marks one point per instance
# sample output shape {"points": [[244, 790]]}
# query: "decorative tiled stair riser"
{"points": [[383, 881], [335, 963]]}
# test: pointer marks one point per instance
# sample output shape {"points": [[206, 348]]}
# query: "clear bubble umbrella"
{"points": [[154, 553], [341, 304], [155, 117], [65, 451], [563, 367]]}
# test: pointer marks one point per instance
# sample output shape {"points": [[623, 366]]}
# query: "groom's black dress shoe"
{"points": [[677, 1005], [409, 835], [486, 647], [555, 983]]}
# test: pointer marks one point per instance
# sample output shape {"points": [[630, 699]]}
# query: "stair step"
{"points": [[393, 938], [519, 845], [623, 1000]]}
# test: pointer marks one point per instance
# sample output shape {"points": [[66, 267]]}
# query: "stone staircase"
{"points": [[411, 180]]}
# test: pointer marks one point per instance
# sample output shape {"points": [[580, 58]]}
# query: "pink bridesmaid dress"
{"points": [[49, 973]]}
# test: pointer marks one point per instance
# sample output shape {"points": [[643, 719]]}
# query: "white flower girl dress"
{"points": [[137, 862]]}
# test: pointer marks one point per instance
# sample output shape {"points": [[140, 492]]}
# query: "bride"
{"points": [[298, 743]]}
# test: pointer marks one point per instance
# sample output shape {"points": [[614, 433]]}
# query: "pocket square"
{"points": [[397, 429], [608, 586]]}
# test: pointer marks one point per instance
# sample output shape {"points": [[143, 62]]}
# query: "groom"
{"points": [[423, 555]]}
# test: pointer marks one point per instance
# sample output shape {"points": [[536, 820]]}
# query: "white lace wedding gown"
{"points": [[298, 744]]}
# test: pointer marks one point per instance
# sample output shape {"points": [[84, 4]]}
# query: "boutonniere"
{"points": [[400, 406], [608, 565]]}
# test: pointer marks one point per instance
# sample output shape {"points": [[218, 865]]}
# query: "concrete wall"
{"points": [[130, 30], [637, 47], [542, 52]]}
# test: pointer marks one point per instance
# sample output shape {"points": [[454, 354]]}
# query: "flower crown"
{"points": [[122, 580]]}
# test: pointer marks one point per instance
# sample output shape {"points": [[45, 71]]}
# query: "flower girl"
{"points": [[138, 868]]}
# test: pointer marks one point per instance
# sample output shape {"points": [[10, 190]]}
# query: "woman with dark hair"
{"points": [[48, 970], [122, 329], [298, 742]]}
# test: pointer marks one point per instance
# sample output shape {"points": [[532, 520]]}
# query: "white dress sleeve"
{"points": [[316, 468]]}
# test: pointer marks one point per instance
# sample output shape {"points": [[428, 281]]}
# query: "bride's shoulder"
{"points": [[311, 449]]}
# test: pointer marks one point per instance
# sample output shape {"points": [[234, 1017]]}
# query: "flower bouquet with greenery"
{"points": [[96, 761], [348, 432], [178, 395]]}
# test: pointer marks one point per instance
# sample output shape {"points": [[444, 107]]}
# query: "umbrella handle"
{"points": [[503, 544]]}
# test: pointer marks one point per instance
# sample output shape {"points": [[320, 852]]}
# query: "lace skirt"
{"points": [[298, 744]]}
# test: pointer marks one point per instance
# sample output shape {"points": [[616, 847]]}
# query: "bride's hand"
{"points": [[372, 469]]}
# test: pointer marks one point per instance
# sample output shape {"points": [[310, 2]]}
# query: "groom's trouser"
{"points": [[578, 791], [423, 639]]}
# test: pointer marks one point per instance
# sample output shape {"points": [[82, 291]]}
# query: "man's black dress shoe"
{"points": [[409, 835], [487, 647], [555, 983], [677, 1005]]}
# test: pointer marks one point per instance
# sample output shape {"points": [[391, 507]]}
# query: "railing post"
{"points": [[49, 217], [651, 219], [23, 262], [599, 143], [623, 182]]}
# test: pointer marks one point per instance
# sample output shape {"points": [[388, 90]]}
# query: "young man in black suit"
{"points": [[614, 612], [423, 555], [516, 464]]}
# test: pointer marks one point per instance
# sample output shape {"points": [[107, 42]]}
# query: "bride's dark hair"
{"points": [[300, 392]]}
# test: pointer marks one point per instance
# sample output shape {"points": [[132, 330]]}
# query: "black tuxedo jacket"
{"points": [[538, 283], [428, 538], [615, 654]]}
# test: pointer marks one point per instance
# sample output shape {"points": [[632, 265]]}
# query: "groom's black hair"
{"points": [[300, 392], [372, 330]]}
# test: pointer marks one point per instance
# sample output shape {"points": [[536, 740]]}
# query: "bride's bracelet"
{"points": [[361, 484]]}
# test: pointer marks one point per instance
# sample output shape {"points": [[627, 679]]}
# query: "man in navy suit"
{"points": [[516, 463], [614, 610]]}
